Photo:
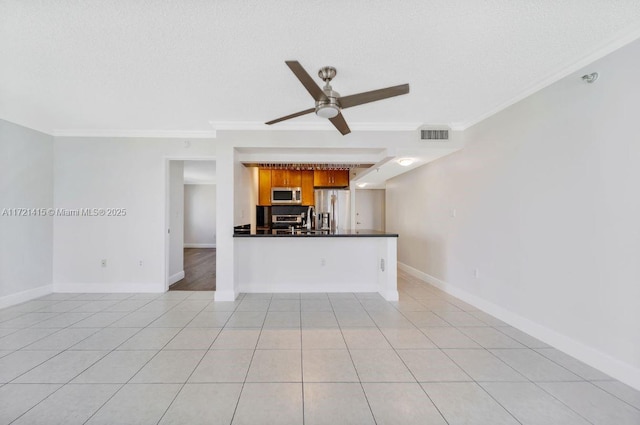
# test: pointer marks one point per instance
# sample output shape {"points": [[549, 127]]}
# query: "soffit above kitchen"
{"points": [[370, 167], [166, 67]]}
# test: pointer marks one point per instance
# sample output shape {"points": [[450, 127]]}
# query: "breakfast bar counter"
{"points": [[302, 261], [296, 233]]}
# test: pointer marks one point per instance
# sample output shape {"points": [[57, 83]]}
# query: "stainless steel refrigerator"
{"points": [[337, 204]]}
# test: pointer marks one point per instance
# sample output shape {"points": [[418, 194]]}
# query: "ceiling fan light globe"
{"points": [[327, 111]]}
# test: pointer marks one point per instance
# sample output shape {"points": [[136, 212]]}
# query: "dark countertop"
{"points": [[348, 233]]}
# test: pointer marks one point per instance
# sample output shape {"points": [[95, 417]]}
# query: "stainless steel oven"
{"points": [[286, 196], [283, 231], [285, 223], [286, 220]]}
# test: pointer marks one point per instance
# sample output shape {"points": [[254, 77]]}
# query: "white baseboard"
{"points": [[619, 370], [390, 295], [109, 287], [199, 245], [23, 296], [296, 287], [225, 296], [176, 277]]}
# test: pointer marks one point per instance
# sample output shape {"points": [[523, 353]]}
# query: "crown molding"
{"points": [[155, 134], [606, 48], [232, 126], [313, 126]]}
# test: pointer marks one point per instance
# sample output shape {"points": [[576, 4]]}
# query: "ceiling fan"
{"points": [[329, 103]]}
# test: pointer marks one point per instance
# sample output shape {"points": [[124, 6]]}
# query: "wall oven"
{"points": [[286, 196], [285, 223]]}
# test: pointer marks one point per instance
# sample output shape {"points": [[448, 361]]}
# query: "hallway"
{"points": [[199, 270]]}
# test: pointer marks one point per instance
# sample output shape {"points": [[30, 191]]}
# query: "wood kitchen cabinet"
{"points": [[286, 178], [307, 187], [331, 178], [264, 187]]}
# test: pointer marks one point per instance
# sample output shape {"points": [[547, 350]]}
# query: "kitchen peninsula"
{"points": [[302, 261]]}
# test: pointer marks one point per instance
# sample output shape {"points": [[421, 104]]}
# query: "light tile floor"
{"points": [[180, 358]]}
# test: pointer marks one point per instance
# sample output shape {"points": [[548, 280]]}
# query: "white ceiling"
{"points": [[165, 65]]}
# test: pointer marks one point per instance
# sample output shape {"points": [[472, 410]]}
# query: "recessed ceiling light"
{"points": [[361, 184], [405, 162]]}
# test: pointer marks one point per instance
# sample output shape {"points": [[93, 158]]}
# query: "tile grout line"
{"points": [[175, 397], [479, 384], [235, 410], [302, 363], [475, 381], [408, 369], [352, 362], [142, 367], [65, 350], [63, 385], [371, 312]]}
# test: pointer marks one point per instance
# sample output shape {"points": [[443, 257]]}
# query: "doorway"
{"points": [[199, 270], [370, 209], [191, 256]]}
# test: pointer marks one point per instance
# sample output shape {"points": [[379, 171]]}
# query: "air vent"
{"points": [[434, 134]]}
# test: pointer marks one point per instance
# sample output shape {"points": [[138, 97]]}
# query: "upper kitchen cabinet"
{"points": [[307, 187], [331, 178], [286, 178], [264, 187]]}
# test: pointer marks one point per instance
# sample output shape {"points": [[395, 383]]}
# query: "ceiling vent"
{"points": [[433, 134]]}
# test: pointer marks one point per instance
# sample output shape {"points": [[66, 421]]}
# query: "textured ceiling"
{"points": [[178, 65]]}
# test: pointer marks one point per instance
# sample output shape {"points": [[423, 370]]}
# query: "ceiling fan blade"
{"points": [[314, 90], [339, 123], [372, 96], [297, 114]]}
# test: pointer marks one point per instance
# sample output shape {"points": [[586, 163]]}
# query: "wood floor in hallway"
{"points": [[199, 270]]}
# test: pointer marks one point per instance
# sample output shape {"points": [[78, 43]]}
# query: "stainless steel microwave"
{"points": [[286, 195]]}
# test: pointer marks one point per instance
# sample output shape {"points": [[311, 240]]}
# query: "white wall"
{"points": [[200, 215], [176, 221], [370, 209], [26, 181], [132, 173], [546, 208], [245, 194], [115, 173], [317, 264]]}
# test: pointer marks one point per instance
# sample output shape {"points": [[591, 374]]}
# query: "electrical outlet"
{"points": [[141, 263], [323, 262], [103, 262], [476, 273], [382, 264]]}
